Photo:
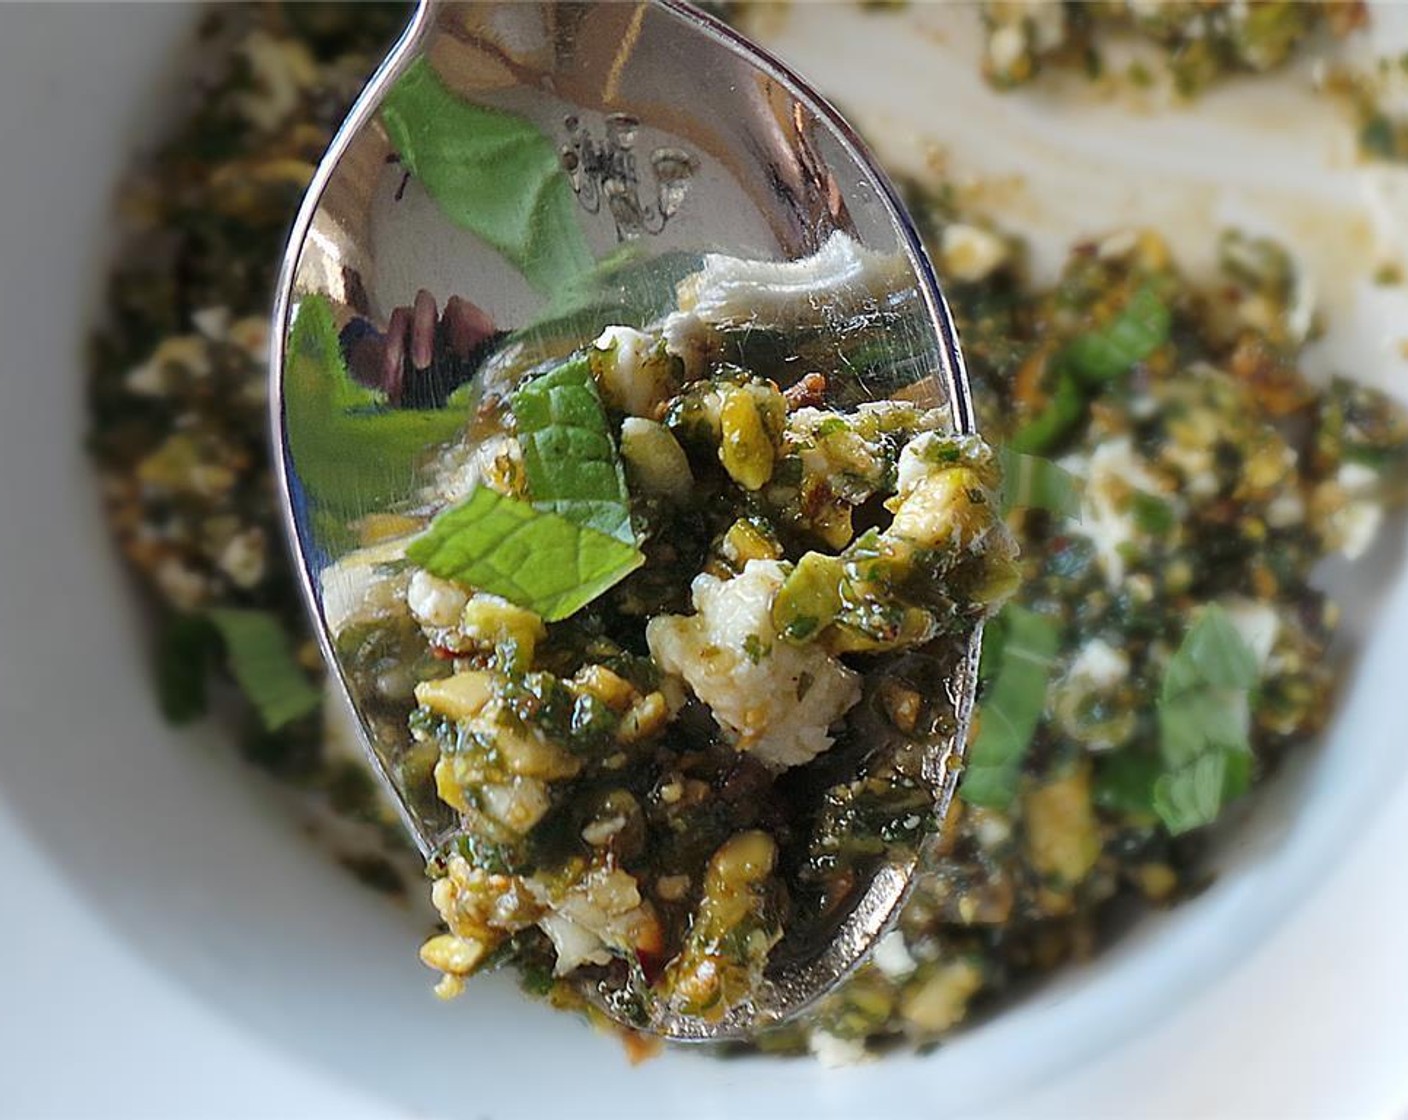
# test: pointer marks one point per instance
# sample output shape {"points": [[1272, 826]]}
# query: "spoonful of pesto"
{"points": [[629, 461]]}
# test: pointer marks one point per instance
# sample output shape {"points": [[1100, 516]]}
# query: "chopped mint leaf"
{"points": [[257, 648], [1140, 328], [1011, 707], [1031, 482], [531, 557], [1191, 797], [1204, 719], [569, 457], [1091, 359], [1062, 415], [493, 172], [1212, 653]]}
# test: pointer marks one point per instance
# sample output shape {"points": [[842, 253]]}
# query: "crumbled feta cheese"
{"points": [[1118, 246], [970, 253], [1099, 666], [1285, 510], [188, 352], [213, 322], [993, 829], [638, 377], [1358, 524], [519, 804], [243, 558], [495, 462], [434, 602], [891, 956], [834, 1052], [1356, 479], [575, 944], [599, 832], [184, 589], [1113, 473], [840, 277], [690, 339], [774, 699], [1006, 46], [280, 69]]}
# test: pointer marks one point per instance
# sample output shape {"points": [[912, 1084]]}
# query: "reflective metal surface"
{"points": [[612, 145]]}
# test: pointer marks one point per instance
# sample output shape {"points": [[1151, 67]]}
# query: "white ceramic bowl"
{"points": [[172, 946]]}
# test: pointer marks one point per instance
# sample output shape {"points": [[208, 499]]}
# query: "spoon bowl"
{"points": [[600, 153]]}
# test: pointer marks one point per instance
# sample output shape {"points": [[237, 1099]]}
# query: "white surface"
{"points": [[171, 947]]}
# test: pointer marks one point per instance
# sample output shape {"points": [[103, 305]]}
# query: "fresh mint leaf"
{"points": [[531, 557], [1091, 359], [1031, 482], [1062, 415], [1011, 707], [1212, 653], [257, 648], [1140, 328], [492, 172], [353, 456], [1204, 716], [569, 457], [1191, 796]]}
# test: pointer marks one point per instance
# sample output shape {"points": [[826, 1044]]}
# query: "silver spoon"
{"points": [[633, 136]]}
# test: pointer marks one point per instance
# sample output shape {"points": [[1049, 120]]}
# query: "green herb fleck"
{"points": [[257, 647], [1062, 415], [1140, 328], [1012, 705], [1204, 717], [531, 557], [1092, 359], [568, 455]]}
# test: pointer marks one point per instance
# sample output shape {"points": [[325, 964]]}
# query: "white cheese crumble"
{"points": [[213, 322], [970, 253], [1006, 47], [280, 70], [434, 602], [1099, 666], [833, 1052], [243, 557], [638, 377], [839, 277], [575, 944], [891, 956], [774, 699], [1113, 473]]}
